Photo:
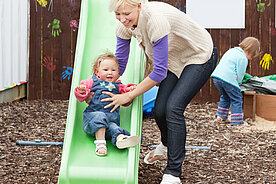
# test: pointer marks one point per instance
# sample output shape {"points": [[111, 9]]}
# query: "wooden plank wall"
{"points": [[52, 57], [53, 35]]}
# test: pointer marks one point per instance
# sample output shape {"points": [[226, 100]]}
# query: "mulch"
{"points": [[237, 154]]}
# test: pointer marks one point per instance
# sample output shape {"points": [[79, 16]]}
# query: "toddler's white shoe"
{"points": [[127, 141], [170, 179]]}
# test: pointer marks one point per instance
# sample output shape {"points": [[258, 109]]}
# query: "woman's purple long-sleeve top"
{"points": [[160, 57]]}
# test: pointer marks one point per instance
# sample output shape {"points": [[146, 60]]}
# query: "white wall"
{"points": [[217, 14], [14, 42]]}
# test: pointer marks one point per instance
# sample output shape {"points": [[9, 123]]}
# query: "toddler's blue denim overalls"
{"points": [[96, 116]]}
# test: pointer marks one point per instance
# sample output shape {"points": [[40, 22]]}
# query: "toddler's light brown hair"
{"points": [[100, 58], [251, 45]]}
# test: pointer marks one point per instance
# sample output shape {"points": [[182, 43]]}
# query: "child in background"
{"points": [[98, 121], [228, 76]]}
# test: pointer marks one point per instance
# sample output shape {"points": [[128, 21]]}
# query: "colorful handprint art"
{"points": [[43, 3], [67, 73], [74, 24], [265, 62], [261, 4], [55, 26], [48, 63], [51, 6]]}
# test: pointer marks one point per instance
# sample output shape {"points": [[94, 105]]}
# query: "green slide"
{"points": [[79, 163]]}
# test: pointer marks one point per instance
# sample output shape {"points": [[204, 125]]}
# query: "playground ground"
{"points": [[237, 155]]}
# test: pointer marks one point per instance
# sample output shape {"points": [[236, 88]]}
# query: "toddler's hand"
{"points": [[89, 97], [131, 88], [81, 89]]}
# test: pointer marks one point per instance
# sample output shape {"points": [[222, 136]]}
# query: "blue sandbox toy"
{"points": [[149, 100]]}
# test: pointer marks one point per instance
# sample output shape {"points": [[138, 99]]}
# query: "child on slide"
{"points": [[98, 121]]}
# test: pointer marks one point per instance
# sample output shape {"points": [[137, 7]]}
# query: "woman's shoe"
{"points": [[170, 179], [160, 151]]}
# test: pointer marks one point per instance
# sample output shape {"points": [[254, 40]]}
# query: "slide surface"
{"points": [[79, 163]]}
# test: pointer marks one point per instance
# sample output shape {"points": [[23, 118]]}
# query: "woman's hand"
{"points": [[121, 99], [116, 100]]}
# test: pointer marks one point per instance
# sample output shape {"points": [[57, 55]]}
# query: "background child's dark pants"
{"points": [[230, 95]]}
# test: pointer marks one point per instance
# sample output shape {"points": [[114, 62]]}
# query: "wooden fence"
{"points": [[53, 33]]}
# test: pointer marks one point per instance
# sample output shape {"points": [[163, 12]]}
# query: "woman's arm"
{"points": [[142, 87], [122, 53], [121, 99], [160, 61], [127, 88]]}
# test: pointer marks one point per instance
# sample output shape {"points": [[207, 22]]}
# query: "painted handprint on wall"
{"points": [[266, 61], [55, 25], [43, 3], [48, 63], [67, 73], [74, 25], [261, 4]]}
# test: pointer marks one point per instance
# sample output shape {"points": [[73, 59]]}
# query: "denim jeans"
{"points": [[230, 95], [173, 96], [93, 121]]}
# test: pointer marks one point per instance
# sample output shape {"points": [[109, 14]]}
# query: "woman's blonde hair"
{"points": [[114, 4], [251, 45], [100, 58]]}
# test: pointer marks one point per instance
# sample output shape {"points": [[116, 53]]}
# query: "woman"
{"points": [[183, 59]]}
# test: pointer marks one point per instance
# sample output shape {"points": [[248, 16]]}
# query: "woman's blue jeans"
{"points": [[172, 99]]}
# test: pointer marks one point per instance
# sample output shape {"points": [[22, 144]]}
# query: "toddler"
{"points": [[98, 121], [228, 76]]}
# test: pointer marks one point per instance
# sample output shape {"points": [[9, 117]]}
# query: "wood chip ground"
{"points": [[238, 154]]}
